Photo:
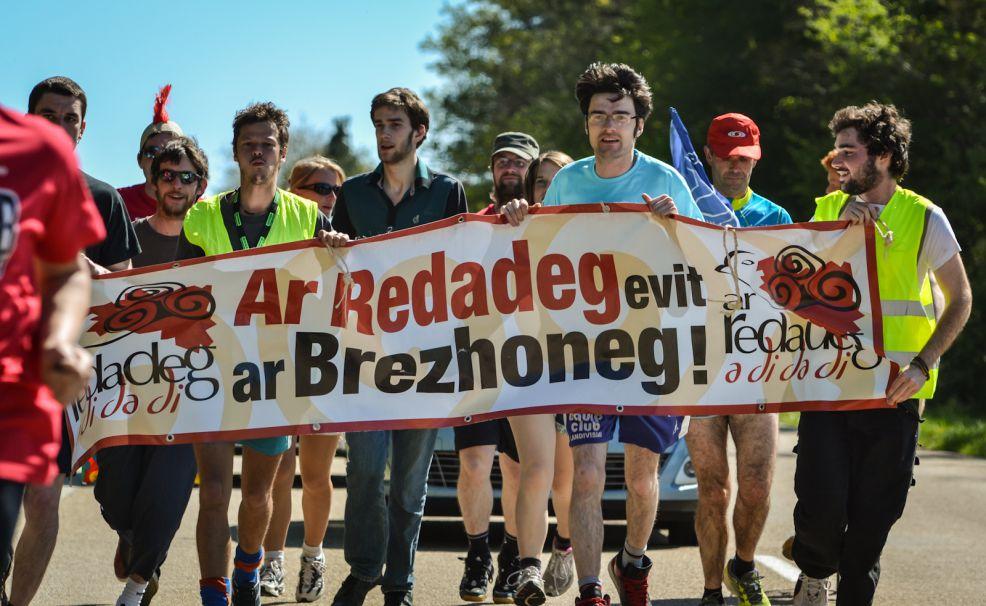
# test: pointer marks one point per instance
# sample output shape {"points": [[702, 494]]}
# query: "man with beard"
{"points": [[854, 468], [478, 443], [257, 213], [143, 490], [61, 101], [732, 151], [401, 192], [615, 101]]}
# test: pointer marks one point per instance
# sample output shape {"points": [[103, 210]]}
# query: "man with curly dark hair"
{"points": [[854, 468]]}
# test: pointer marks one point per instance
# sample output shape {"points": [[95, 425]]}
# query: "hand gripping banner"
{"points": [[593, 308]]}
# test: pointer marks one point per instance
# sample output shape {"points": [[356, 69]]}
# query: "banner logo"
{"points": [[179, 312]]}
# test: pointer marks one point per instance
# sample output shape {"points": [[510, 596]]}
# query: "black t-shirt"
{"points": [[154, 247], [253, 228], [121, 241]]}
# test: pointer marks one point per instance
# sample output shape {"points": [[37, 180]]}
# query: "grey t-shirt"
{"points": [[154, 247]]}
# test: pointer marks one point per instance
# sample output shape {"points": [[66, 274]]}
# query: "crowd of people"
{"points": [[854, 468]]}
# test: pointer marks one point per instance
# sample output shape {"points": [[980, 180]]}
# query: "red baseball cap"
{"points": [[734, 135]]}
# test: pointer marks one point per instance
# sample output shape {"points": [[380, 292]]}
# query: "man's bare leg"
{"points": [[317, 452], [215, 462], [642, 494], [474, 491], [256, 485], [37, 541], [561, 485], [280, 519], [510, 473], [586, 514], [533, 435], [756, 450], [706, 441]]}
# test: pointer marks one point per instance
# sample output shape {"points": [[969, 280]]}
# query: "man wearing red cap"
{"points": [[140, 198], [732, 150]]}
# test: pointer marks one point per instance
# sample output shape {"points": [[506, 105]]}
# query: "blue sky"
{"points": [[317, 60]]}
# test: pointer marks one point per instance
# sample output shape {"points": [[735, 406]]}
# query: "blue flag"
{"points": [[714, 206]]}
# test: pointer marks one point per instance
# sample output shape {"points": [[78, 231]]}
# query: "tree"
{"points": [[338, 148], [512, 65]]}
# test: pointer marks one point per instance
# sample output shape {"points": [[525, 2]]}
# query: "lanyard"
{"points": [[238, 221]]}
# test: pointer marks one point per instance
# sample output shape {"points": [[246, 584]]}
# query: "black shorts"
{"points": [[487, 433], [65, 452]]}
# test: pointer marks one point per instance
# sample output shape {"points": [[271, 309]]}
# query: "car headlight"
{"points": [[686, 474]]}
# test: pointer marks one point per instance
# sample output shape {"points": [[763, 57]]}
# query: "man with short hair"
{"points": [[47, 216], [143, 490], [478, 443], [257, 213], [140, 198], [61, 101], [401, 192], [615, 101], [732, 151], [854, 468]]}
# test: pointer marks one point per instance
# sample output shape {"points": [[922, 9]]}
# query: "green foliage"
{"points": [[955, 430], [340, 149], [512, 65]]}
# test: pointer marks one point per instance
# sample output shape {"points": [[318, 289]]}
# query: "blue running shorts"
{"points": [[653, 432]]}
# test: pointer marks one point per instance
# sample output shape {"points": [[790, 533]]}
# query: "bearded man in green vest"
{"points": [[257, 213], [854, 468]]}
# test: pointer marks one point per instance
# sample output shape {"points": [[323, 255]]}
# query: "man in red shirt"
{"points": [[140, 198], [47, 217]]}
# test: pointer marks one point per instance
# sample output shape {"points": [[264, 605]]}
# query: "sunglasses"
{"points": [[150, 152], [186, 177], [323, 189]]}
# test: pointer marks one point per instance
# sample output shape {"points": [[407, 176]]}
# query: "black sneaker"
{"points": [[478, 574], [505, 586], [398, 598], [352, 592], [246, 595]]}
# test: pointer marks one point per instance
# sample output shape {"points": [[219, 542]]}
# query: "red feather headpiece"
{"points": [[160, 101]]}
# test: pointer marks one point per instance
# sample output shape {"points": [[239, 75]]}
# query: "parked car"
{"points": [[678, 487]]}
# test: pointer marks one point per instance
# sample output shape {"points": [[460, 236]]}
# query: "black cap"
{"points": [[521, 144]]}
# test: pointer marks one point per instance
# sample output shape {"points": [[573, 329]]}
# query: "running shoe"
{"points": [[506, 581], [477, 575], [560, 572], [311, 584], [713, 599], [747, 587], [592, 601], [352, 592], [810, 591], [530, 587], [630, 581], [398, 598], [272, 578], [246, 595]]}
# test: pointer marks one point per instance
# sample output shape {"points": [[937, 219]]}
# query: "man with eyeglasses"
{"points": [[255, 214], [615, 101], [140, 198], [143, 490], [61, 101]]}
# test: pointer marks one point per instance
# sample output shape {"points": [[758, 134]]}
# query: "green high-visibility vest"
{"points": [[204, 227], [905, 297]]}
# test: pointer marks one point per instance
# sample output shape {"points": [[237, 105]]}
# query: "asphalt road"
{"points": [[935, 553]]}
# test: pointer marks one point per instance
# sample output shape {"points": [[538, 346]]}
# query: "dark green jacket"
{"points": [[363, 208]]}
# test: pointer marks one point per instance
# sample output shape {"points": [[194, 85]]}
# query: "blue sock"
{"points": [[245, 567], [215, 591]]}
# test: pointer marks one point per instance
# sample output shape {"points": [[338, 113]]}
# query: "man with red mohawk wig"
{"points": [[140, 198]]}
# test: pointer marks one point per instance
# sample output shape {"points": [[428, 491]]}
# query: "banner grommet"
{"points": [[316, 426], [619, 408], [467, 419], [170, 437]]}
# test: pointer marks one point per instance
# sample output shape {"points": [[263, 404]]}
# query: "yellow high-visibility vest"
{"points": [[905, 297], [204, 227]]}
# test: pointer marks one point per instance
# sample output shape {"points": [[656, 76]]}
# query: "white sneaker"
{"points": [[530, 587], [310, 579], [559, 574], [811, 592], [272, 578]]}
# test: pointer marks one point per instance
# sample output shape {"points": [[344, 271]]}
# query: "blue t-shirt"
{"points": [[753, 210], [578, 183]]}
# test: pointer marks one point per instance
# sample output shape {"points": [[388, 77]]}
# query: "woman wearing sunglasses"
{"points": [[319, 179]]}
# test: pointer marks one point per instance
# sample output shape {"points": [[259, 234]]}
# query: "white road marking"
{"points": [[779, 566]]}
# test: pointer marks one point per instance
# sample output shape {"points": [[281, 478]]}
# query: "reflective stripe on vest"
{"points": [[906, 302], [295, 220]]}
